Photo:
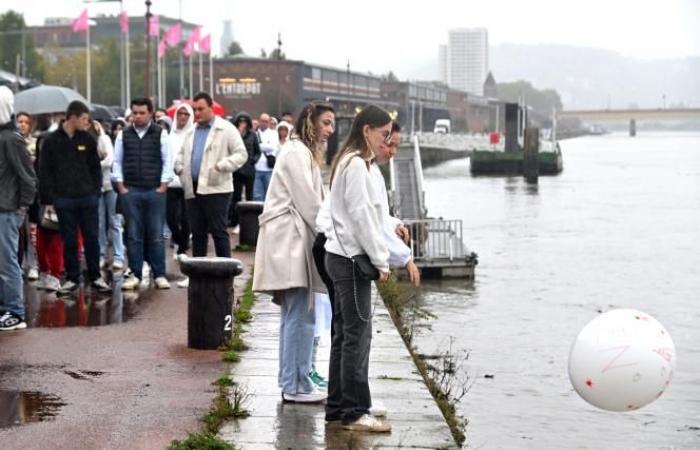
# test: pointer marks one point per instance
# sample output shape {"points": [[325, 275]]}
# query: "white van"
{"points": [[442, 126]]}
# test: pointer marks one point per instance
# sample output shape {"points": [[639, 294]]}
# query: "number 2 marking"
{"points": [[227, 322]]}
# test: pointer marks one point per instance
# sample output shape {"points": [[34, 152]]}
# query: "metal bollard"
{"points": [[210, 300], [248, 213]]}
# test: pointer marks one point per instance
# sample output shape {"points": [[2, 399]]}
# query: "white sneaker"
{"points": [[184, 283], [51, 283], [101, 285], [103, 263], [315, 396], [33, 274], [162, 283], [130, 283], [118, 265], [68, 287], [41, 284], [236, 229], [368, 423]]}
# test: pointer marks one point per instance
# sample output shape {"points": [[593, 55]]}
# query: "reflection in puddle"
{"points": [[85, 307], [23, 407]]}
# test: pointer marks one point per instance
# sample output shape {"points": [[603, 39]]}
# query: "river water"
{"points": [[619, 228]]}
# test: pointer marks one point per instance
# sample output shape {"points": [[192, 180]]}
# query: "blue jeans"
{"points": [[144, 211], [79, 213], [262, 182], [296, 342], [110, 218], [10, 272]]}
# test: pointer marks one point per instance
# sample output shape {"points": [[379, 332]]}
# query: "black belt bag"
{"points": [[364, 267]]}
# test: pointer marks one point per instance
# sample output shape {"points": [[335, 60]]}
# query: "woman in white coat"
{"points": [[284, 265]]}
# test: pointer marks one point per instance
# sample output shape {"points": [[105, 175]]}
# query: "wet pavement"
{"points": [[394, 382], [100, 371]]}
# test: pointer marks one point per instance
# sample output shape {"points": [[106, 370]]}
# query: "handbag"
{"points": [[49, 220], [365, 268]]}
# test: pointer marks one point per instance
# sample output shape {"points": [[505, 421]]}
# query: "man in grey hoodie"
{"points": [[18, 186]]}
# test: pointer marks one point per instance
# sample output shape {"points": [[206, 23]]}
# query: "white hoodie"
{"points": [[176, 137]]}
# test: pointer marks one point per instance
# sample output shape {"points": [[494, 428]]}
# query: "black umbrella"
{"points": [[101, 113]]}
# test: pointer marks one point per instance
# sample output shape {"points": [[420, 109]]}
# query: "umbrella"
{"points": [[46, 99], [101, 113], [216, 106]]}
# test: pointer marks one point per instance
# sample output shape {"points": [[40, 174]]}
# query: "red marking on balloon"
{"points": [[589, 383]]}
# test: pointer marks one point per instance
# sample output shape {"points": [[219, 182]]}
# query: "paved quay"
{"points": [[394, 381], [96, 372]]}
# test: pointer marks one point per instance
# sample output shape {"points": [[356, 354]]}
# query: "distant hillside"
{"points": [[593, 78], [587, 77]]}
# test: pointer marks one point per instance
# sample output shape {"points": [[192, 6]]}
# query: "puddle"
{"points": [[19, 407], [85, 307]]}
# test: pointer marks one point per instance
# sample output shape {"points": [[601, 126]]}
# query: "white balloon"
{"points": [[622, 360]]}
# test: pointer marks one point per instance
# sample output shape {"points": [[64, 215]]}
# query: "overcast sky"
{"points": [[383, 35]]}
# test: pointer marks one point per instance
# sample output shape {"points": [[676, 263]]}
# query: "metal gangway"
{"points": [[436, 243]]}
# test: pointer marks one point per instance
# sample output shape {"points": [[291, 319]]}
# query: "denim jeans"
{"points": [[144, 211], [79, 213], [348, 384], [10, 272], [110, 219], [295, 342], [262, 182]]}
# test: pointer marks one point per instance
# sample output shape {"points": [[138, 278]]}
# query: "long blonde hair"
{"points": [[305, 128]]}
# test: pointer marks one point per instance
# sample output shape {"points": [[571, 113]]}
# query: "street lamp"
{"points": [[147, 79]]}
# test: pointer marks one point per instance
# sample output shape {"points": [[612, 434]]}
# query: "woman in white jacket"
{"points": [[355, 248], [284, 264]]}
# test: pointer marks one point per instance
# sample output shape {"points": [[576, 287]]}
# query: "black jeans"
{"points": [[348, 384], [208, 215], [240, 181], [176, 216], [79, 213]]}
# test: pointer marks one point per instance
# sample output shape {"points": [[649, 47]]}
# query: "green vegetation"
{"points": [[544, 101], [231, 399], [439, 380]]}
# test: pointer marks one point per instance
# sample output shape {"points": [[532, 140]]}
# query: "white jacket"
{"points": [[224, 153], [356, 213], [176, 138]]}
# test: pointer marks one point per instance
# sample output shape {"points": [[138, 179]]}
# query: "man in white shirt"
{"points": [[269, 145]]}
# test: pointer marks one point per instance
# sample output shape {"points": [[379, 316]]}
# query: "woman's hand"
{"points": [[413, 273], [383, 276]]}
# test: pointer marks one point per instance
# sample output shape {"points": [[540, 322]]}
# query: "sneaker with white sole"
{"points": [[162, 283], [118, 265], [378, 410], [101, 285], [68, 287], [368, 423], [184, 283], [33, 274], [131, 282], [10, 321], [315, 396], [51, 283], [41, 284]]}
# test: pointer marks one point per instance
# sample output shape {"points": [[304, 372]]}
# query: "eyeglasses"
{"points": [[387, 136]]}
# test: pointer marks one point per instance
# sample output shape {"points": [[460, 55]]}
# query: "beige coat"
{"points": [[283, 257], [224, 153]]}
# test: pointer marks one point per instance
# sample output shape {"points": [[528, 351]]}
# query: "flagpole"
{"points": [[201, 72], [189, 94], [87, 63], [165, 79], [211, 75], [159, 84], [182, 63], [122, 57], [127, 68]]}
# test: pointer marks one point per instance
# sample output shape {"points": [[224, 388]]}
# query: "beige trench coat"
{"points": [[283, 256]]}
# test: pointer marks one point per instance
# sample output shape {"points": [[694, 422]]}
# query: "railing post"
{"points": [[530, 158]]}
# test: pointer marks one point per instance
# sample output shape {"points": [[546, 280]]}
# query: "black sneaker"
{"points": [[11, 321]]}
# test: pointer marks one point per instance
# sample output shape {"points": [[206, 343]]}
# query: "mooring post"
{"points": [[210, 300], [248, 214], [633, 127], [530, 159]]}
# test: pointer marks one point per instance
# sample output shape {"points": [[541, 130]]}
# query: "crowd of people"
{"points": [[81, 190]]}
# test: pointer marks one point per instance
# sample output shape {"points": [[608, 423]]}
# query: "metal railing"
{"points": [[436, 239]]}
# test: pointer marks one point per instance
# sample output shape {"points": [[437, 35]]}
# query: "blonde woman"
{"points": [[284, 265]]}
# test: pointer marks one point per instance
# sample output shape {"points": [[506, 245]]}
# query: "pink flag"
{"points": [[173, 35], [162, 48], [153, 26], [205, 44], [194, 36], [81, 23], [187, 49], [124, 22]]}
